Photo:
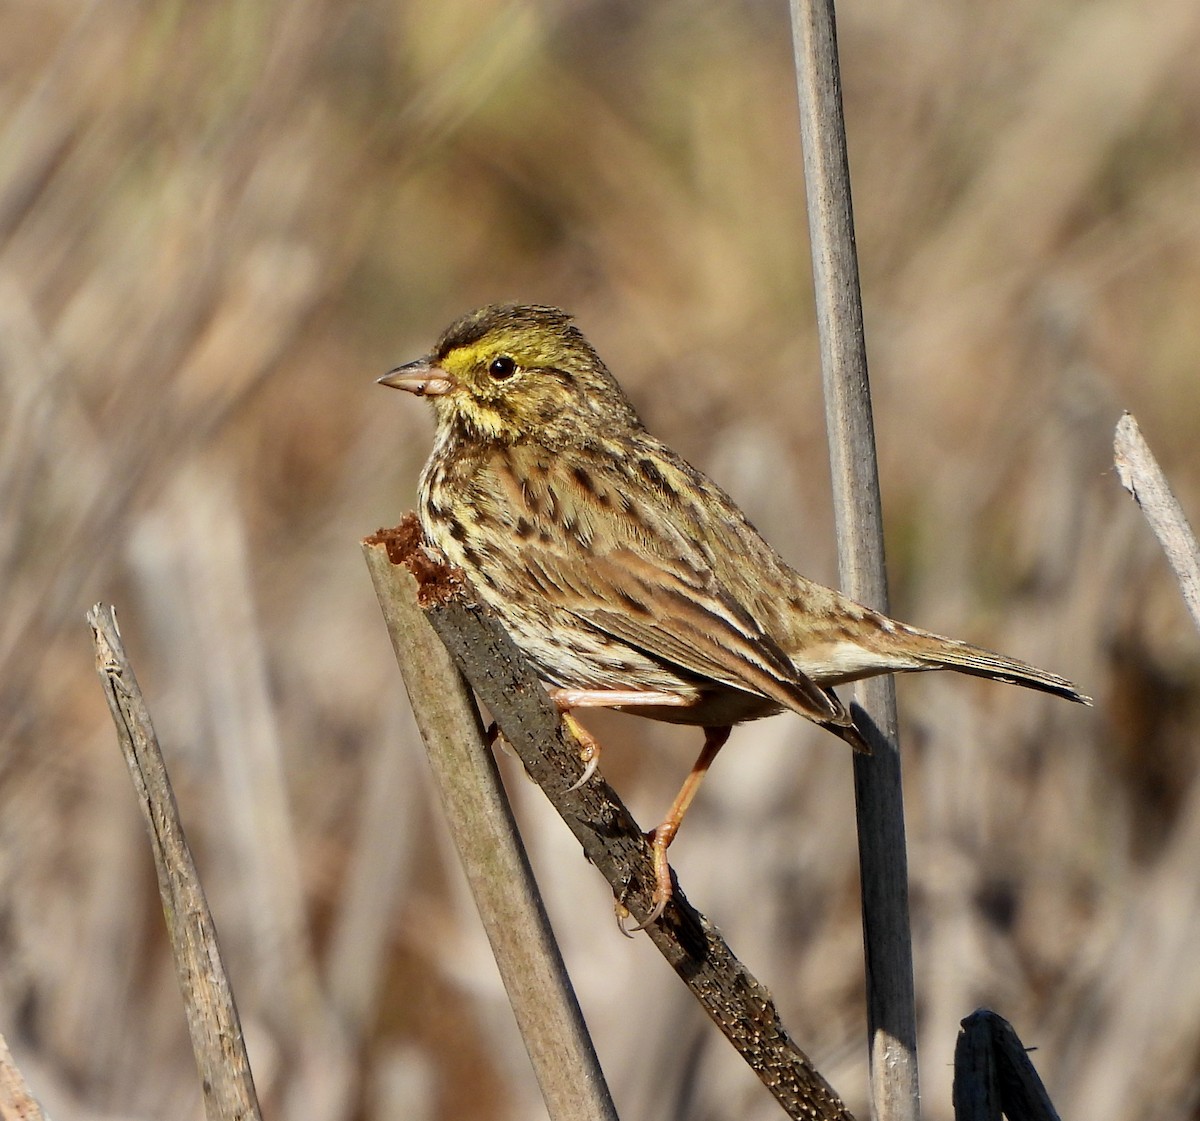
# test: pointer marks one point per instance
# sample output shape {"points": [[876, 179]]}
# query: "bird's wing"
{"points": [[678, 617], [640, 582], [621, 547]]}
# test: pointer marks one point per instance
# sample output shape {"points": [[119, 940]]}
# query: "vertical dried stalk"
{"points": [[485, 834], [1141, 475], [216, 1030], [882, 857]]}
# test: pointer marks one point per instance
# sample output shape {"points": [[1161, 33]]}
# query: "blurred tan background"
{"points": [[220, 221]]}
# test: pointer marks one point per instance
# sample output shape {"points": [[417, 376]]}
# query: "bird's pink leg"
{"points": [[661, 838], [664, 834], [567, 699]]}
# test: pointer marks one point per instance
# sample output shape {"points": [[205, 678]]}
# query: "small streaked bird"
{"points": [[627, 577]]}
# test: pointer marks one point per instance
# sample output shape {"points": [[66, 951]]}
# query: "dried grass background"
{"points": [[219, 222]]}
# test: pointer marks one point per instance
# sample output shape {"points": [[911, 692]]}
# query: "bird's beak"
{"points": [[421, 377]]}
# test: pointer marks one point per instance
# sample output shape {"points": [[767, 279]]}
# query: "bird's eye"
{"points": [[502, 367]]}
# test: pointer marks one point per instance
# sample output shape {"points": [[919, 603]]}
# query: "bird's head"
{"points": [[514, 373]]}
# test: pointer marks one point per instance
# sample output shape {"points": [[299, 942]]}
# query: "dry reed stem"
{"points": [[16, 1101], [1141, 475], [739, 1005], [493, 857], [891, 1011], [216, 1031], [993, 1074]]}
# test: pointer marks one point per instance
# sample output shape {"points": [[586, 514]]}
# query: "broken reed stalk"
{"points": [[1141, 475], [493, 858], [17, 1103], [891, 1012], [739, 1005], [216, 1031], [993, 1074]]}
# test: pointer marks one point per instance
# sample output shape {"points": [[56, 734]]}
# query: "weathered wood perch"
{"points": [[612, 841], [484, 832]]}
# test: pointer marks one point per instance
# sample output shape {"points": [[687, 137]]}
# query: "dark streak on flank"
{"points": [[632, 602], [652, 475], [528, 496], [634, 515]]}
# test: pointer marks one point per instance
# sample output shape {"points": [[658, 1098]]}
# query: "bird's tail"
{"points": [[934, 652]]}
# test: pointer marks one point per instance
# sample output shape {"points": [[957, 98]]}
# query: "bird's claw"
{"points": [[590, 769], [589, 751], [656, 913], [664, 889]]}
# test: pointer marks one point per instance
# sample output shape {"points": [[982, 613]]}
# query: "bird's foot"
{"points": [[589, 751], [664, 889]]}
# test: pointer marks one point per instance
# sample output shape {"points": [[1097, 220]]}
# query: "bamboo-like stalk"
{"points": [[493, 857], [212, 1016], [891, 1014], [612, 842], [1141, 475]]}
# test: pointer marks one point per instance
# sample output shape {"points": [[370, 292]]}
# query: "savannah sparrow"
{"points": [[628, 578]]}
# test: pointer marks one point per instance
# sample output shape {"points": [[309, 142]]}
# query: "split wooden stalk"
{"points": [[740, 1006], [493, 858], [891, 1012], [993, 1073]]}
